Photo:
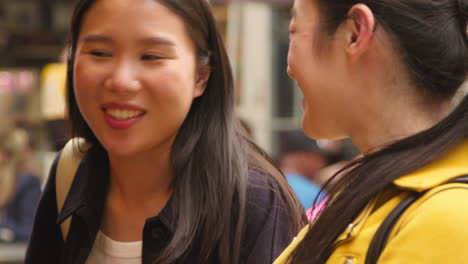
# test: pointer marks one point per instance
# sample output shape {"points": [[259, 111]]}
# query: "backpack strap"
{"points": [[381, 236], [66, 168]]}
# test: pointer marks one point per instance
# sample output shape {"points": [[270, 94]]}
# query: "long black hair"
{"points": [[211, 157], [431, 38]]}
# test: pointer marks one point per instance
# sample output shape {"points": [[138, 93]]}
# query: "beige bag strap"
{"points": [[67, 165]]}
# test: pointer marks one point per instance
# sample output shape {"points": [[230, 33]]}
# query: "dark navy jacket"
{"points": [[266, 230], [19, 211]]}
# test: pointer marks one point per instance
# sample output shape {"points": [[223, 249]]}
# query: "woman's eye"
{"points": [[100, 54], [151, 57]]}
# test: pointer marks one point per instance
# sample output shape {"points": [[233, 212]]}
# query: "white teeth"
{"points": [[123, 114]]}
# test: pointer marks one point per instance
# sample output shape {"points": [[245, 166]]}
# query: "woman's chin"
{"points": [[116, 148], [313, 130], [308, 129]]}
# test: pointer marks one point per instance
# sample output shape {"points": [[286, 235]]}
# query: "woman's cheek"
{"points": [[172, 83]]}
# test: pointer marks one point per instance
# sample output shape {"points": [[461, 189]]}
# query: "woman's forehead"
{"points": [[143, 21], [118, 13]]}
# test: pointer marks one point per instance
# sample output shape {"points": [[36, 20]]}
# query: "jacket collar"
{"points": [[89, 190], [89, 187], [451, 165]]}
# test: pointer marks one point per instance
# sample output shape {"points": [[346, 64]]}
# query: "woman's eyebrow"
{"points": [[144, 41], [157, 41], [96, 38]]}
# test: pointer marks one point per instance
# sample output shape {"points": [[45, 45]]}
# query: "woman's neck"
{"points": [[140, 187], [393, 120], [141, 177]]}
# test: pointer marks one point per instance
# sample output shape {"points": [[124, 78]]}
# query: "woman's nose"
{"points": [[123, 79]]}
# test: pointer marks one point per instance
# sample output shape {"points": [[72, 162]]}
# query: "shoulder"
{"points": [[49, 185], [262, 199], [434, 221], [265, 208], [266, 221], [444, 204], [262, 190]]}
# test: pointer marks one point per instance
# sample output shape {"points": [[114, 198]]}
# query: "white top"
{"points": [[107, 251]]}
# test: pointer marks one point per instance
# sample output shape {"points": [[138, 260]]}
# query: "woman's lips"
{"points": [[122, 116]]}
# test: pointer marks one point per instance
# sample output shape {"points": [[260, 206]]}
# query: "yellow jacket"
{"points": [[432, 230]]}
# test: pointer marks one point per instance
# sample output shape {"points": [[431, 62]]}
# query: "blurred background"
{"points": [[33, 34]]}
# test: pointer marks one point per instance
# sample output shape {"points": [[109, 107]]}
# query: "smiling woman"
{"points": [[169, 177], [139, 78]]}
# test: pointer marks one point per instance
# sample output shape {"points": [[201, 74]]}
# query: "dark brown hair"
{"points": [[431, 38], [211, 157]]}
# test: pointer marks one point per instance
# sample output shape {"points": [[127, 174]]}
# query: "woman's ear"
{"points": [[203, 75], [360, 29]]}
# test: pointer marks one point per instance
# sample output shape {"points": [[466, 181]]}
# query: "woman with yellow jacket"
{"points": [[385, 73]]}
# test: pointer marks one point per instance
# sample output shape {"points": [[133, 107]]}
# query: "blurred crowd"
{"points": [[20, 186], [308, 164]]}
